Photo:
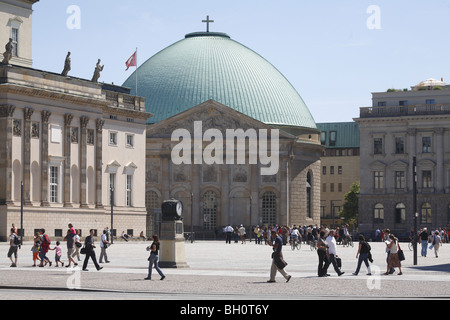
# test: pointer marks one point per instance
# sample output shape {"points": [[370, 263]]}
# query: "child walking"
{"points": [[58, 254]]}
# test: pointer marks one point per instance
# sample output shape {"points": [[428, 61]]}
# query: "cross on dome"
{"points": [[207, 21]]}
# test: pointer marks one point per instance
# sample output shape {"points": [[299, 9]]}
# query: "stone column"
{"points": [[26, 145], [98, 163], [67, 155], [45, 116], [439, 150], [411, 149], [83, 161], [6, 124]]}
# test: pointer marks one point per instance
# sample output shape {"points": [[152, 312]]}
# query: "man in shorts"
{"points": [[13, 247], [70, 239]]}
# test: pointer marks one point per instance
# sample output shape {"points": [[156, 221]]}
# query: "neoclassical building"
{"points": [[401, 125], [206, 83], [72, 143]]}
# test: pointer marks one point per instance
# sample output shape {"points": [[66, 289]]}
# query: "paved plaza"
{"points": [[226, 271]]}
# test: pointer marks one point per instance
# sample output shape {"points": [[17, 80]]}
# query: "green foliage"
{"points": [[349, 210]]}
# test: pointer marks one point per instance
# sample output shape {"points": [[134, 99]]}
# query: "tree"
{"points": [[349, 210]]}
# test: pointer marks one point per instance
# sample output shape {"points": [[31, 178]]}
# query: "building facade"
{"points": [[401, 125], [340, 167], [69, 141]]}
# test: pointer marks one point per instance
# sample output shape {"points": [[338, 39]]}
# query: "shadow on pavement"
{"points": [[439, 267]]}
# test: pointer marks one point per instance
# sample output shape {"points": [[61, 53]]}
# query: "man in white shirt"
{"points": [[229, 233], [103, 246], [331, 241]]}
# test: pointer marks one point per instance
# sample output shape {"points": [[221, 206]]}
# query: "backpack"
{"points": [[45, 240], [17, 241]]}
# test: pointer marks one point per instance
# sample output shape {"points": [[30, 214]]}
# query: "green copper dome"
{"points": [[210, 65]]}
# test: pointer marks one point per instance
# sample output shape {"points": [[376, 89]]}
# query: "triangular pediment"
{"points": [[377, 165], [212, 115]]}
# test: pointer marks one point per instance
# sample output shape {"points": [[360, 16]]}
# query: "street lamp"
{"points": [[415, 209], [112, 214]]}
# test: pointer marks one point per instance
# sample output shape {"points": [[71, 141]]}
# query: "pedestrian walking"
{"points": [[424, 240], [393, 260], [70, 239], [14, 242], [153, 259], [228, 233], [324, 261], [45, 245], [78, 245], [90, 252], [436, 243], [278, 263], [241, 232], [58, 254], [363, 255], [36, 248], [331, 242], [104, 243]]}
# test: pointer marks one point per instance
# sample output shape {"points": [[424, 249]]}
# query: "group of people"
{"points": [[42, 245], [327, 254]]}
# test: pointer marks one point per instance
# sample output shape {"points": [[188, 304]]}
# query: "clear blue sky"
{"points": [[324, 48]]}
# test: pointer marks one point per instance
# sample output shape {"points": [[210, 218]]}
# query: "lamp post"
{"points": [[415, 209], [192, 217], [21, 213], [112, 214]]}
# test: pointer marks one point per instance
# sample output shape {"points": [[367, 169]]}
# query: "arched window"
{"points": [[269, 208], [308, 196], [378, 213], [400, 213], [426, 213], [210, 205]]}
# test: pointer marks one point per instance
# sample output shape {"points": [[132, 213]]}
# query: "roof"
{"points": [[346, 134], [211, 66]]}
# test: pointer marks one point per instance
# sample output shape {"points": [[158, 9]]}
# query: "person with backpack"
{"points": [[45, 245], [363, 253], [14, 243]]}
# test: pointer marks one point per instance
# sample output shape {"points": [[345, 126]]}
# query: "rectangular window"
{"points": [[378, 145], [113, 138], [399, 180], [129, 189], [378, 177], [382, 103], [333, 137], [399, 145], [324, 170], [332, 170], [324, 187], [130, 140], [403, 103], [427, 179], [331, 187], [430, 101], [339, 187], [54, 178], [339, 169], [15, 42], [426, 144]]}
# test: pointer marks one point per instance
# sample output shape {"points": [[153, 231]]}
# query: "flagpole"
{"points": [[136, 73]]}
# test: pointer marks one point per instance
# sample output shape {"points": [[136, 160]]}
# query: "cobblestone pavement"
{"points": [[229, 271]]}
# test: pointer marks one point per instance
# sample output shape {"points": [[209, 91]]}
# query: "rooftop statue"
{"points": [[66, 65], [8, 53], [98, 69]]}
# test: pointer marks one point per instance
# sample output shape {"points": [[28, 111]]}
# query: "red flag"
{"points": [[132, 61]]}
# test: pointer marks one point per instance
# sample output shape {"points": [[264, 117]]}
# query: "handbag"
{"points": [[83, 250], [401, 255], [278, 260]]}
